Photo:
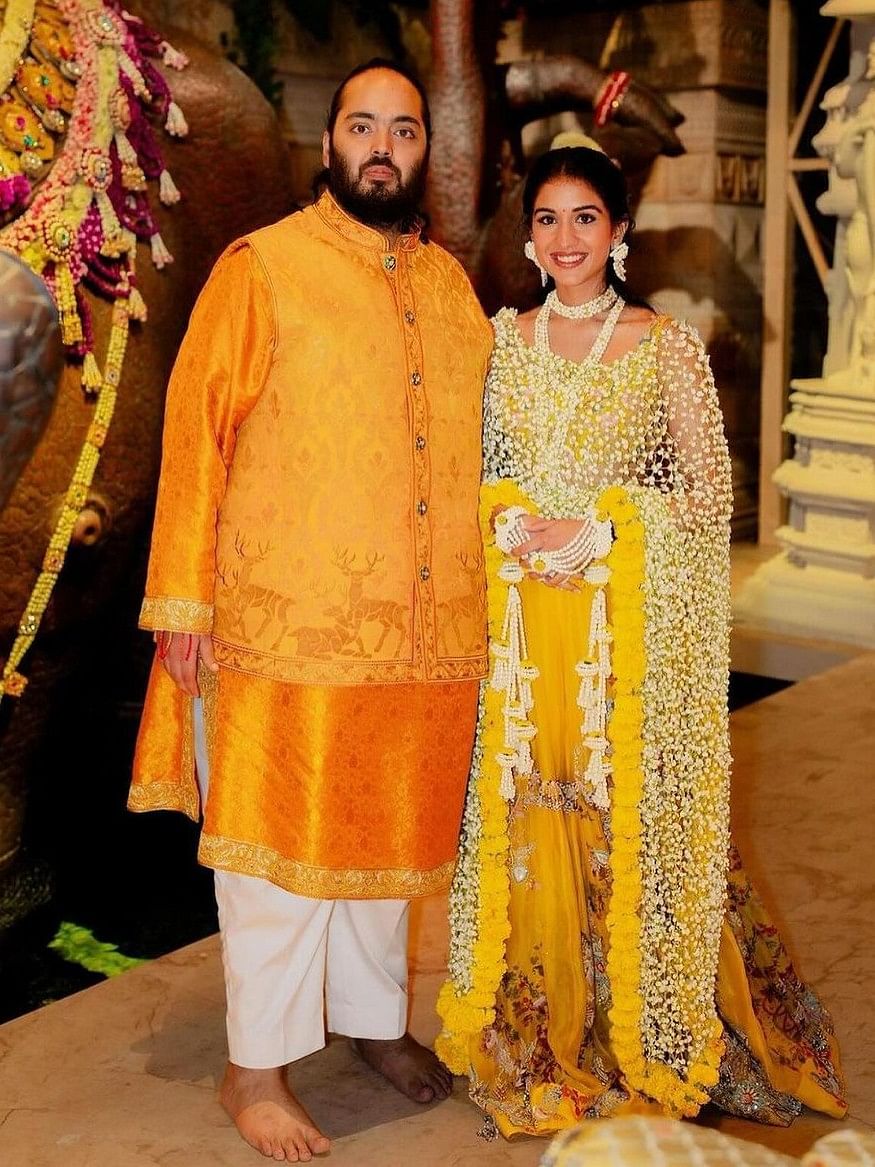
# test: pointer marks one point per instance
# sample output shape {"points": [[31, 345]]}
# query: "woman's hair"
{"points": [[606, 179]]}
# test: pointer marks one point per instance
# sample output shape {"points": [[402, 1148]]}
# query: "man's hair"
{"points": [[368, 67]]}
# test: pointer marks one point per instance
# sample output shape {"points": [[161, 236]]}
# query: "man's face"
{"points": [[376, 154]]}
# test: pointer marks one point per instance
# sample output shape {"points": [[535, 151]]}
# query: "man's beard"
{"points": [[377, 204]]}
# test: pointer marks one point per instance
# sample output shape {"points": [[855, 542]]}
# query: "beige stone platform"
{"points": [[124, 1074]]}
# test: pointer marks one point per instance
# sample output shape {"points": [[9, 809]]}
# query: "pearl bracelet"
{"points": [[592, 541]]}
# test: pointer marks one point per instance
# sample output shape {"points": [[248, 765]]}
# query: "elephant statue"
{"points": [[479, 109], [232, 171]]}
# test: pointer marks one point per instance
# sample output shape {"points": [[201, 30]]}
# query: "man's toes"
{"points": [[425, 1093], [317, 1143]]}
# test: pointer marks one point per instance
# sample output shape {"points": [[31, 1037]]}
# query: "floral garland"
{"points": [[13, 38], [480, 893], [89, 61], [481, 888], [680, 1093]]}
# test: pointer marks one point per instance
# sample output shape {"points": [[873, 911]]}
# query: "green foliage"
{"points": [[255, 46], [79, 946]]}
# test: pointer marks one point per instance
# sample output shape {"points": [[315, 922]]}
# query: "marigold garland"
{"points": [[465, 1013], [90, 59]]}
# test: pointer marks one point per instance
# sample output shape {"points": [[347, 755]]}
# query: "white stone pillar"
{"points": [[822, 583]]}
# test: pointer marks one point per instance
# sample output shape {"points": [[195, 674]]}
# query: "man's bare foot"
{"points": [[409, 1066], [268, 1115]]}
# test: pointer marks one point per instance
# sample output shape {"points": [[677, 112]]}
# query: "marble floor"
{"points": [[124, 1074]]}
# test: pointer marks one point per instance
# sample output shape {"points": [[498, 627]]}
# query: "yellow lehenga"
{"points": [[606, 956]]}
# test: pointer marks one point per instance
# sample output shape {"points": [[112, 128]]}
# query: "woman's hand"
{"points": [[547, 535], [179, 653]]}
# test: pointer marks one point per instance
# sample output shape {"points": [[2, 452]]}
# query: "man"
{"points": [[316, 592]]}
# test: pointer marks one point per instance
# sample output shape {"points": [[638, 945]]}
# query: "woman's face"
{"points": [[573, 234]]}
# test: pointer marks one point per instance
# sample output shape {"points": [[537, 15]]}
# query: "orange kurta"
{"points": [[317, 512]]}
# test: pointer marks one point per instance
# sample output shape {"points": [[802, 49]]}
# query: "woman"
{"points": [[600, 962]]}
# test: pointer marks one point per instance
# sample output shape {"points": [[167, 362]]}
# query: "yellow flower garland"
{"points": [[14, 35], [466, 1009], [44, 235], [465, 1014]]}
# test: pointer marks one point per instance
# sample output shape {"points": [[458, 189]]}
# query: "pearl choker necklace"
{"points": [[601, 303]]}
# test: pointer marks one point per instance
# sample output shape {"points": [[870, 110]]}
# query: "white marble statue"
{"points": [[848, 141]]}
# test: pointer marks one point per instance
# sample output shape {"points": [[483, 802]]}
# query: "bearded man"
{"points": [[316, 592]]}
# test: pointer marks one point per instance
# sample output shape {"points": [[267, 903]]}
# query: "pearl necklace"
{"points": [[595, 354], [600, 303]]}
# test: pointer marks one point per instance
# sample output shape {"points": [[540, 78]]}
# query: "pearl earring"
{"points": [[618, 257], [529, 252]]}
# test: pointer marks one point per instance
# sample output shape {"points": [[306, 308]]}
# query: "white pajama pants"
{"points": [[295, 966]]}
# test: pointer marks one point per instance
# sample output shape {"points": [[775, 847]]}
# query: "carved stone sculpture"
{"points": [[822, 584]]}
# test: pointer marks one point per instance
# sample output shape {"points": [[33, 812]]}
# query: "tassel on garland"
{"points": [[133, 177], [168, 191], [175, 125], [592, 699], [511, 676], [161, 257], [137, 309], [68, 311], [172, 58], [113, 243], [507, 786], [133, 74], [597, 771], [92, 378]]}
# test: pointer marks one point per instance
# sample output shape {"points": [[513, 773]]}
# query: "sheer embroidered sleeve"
{"points": [[496, 448], [700, 481]]}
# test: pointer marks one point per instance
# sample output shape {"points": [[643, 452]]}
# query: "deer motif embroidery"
{"points": [[243, 596], [361, 610], [462, 611]]}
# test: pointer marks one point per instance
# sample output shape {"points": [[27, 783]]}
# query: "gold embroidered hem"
{"points": [[321, 882], [345, 671], [169, 614], [166, 796]]}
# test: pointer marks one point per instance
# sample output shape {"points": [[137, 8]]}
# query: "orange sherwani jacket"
{"points": [[317, 513]]}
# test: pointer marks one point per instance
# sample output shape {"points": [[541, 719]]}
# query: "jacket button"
{"points": [[424, 573], [420, 442], [422, 506], [409, 317], [416, 378]]}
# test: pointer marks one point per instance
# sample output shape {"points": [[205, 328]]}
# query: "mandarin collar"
{"points": [[357, 232]]}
